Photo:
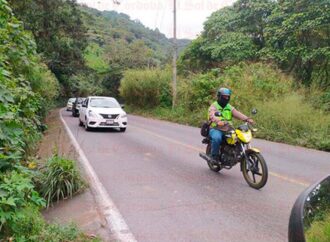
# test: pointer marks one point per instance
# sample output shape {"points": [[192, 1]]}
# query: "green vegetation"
{"points": [[20, 205], [27, 90], [94, 58], [60, 179], [48, 56], [274, 55], [117, 43], [284, 115], [17, 196], [124, 41], [292, 34], [59, 34], [87, 50], [319, 231], [146, 88]]}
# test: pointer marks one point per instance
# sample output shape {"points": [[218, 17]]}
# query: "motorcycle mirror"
{"points": [[217, 114], [311, 212], [254, 111]]}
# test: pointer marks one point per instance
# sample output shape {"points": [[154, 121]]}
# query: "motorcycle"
{"points": [[235, 149]]}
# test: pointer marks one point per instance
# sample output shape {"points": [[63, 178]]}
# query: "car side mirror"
{"points": [[122, 105], [310, 215]]}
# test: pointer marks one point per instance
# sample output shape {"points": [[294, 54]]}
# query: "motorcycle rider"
{"points": [[220, 116]]}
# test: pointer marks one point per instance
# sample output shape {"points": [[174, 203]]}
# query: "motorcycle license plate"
{"points": [[109, 121]]}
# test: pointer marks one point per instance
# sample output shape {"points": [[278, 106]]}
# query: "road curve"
{"points": [[165, 191]]}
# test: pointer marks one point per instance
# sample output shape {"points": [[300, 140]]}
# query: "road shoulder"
{"points": [[82, 209]]}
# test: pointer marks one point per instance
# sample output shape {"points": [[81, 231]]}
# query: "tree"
{"points": [[298, 33], [58, 31], [294, 34]]}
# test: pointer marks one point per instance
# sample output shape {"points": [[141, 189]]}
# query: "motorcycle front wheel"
{"points": [[213, 167], [254, 169]]}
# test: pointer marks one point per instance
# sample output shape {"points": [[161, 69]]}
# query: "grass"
{"points": [[293, 121], [286, 111], [289, 120], [60, 180], [319, 230]]}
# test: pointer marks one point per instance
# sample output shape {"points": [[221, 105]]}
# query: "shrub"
{"points": [[147, 88], [318, 97], [203, 89], [60, 180], [284, 115], [16, 195], [250, 83], [32, 227], [25, 87], [255, 82]]}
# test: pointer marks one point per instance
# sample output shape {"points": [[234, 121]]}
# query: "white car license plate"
{"points": [[109, 121]]}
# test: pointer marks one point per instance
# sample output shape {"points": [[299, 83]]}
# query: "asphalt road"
{"points": [[166, 192]]}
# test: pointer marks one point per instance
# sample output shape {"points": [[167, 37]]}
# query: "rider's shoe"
{"points": [[214, 159]]}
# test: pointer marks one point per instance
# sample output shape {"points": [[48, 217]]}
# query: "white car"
{"points": [[102, 112], [70, 103]]}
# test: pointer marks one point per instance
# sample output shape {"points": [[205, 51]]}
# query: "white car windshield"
{"points": [[104, 103]]}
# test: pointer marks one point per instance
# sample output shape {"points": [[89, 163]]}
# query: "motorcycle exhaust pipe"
{"points": [[208, 159], [205, 157]]}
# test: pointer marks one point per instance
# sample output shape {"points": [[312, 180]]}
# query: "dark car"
{"points": [[76, 106]]}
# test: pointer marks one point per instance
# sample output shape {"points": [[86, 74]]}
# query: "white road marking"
{"points": [[115, 221]]}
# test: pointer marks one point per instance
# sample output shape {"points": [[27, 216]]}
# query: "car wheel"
{"points": [[122, 129]]}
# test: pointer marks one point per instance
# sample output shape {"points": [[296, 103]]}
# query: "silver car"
{"points": [[70, 103]]}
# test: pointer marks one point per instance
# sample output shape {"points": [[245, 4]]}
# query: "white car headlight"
{"points": [[92, 114], [123, 115]]}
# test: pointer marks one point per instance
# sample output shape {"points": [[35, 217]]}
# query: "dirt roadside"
{"points": [[82, 209]]}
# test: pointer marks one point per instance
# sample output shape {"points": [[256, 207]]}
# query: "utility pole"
{"points": [[175, 49]]}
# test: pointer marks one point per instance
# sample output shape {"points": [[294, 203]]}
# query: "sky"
{"points": [[191, 14]]}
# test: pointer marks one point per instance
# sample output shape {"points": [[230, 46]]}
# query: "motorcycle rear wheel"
{"points": [[213, 167], [258, 168]]}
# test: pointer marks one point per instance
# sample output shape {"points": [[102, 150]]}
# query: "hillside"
{"points": [[115, 39]]}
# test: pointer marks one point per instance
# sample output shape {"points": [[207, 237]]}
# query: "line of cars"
{"points": [[98, 112]]}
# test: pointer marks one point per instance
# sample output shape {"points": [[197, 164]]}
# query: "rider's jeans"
{"points": [[216, 139]]}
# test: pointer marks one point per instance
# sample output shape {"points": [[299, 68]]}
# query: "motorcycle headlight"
{"points": [[245, 137]]}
